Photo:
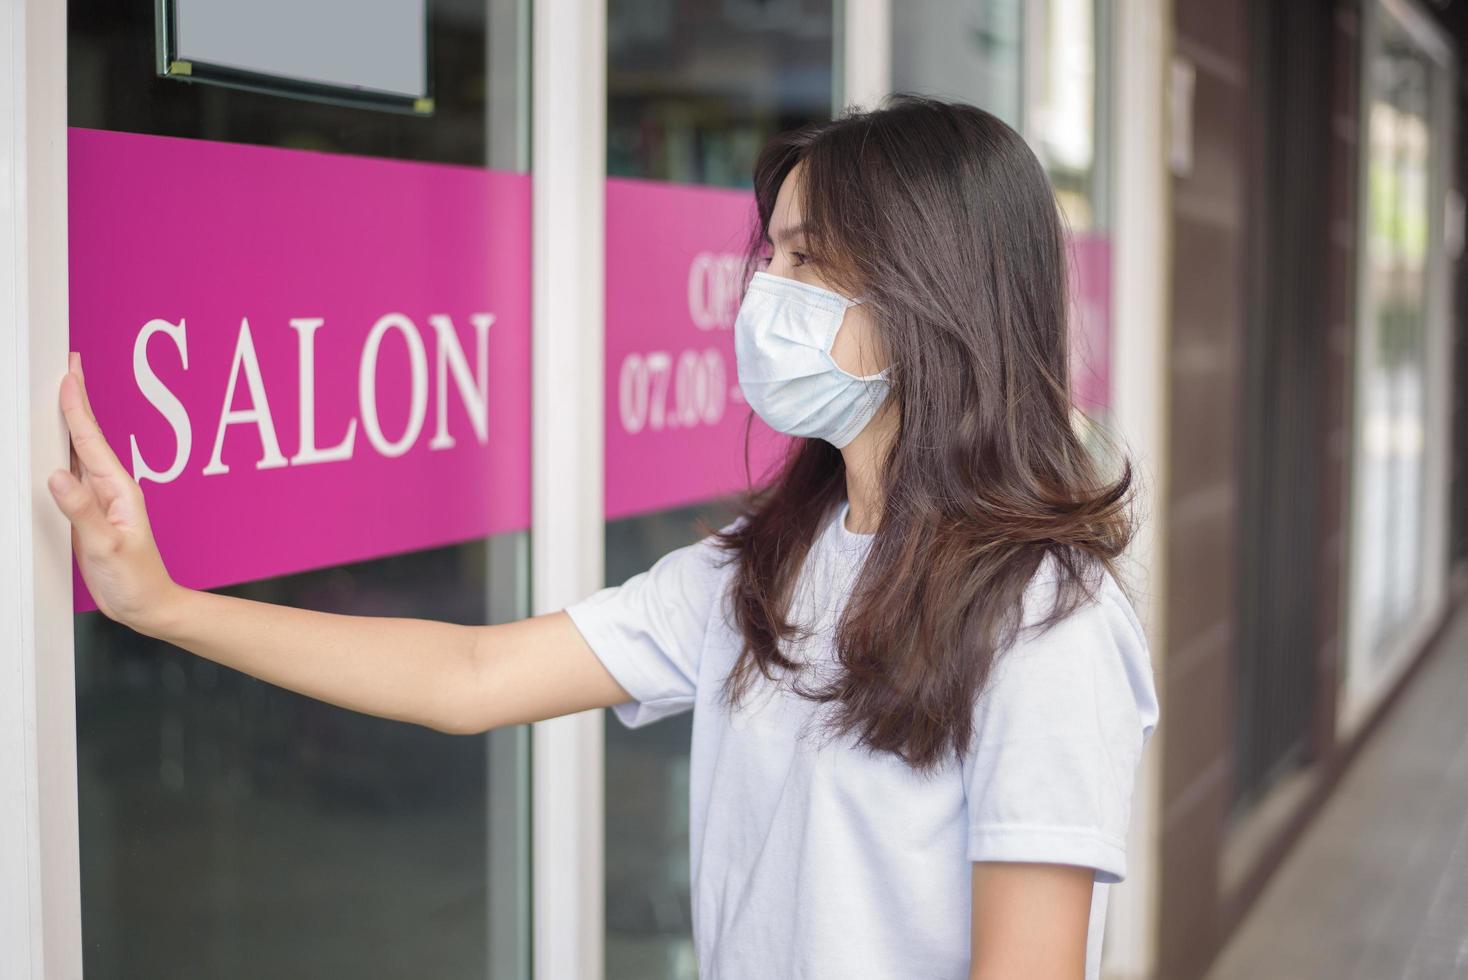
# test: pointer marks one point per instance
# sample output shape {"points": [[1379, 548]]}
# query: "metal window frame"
{"points": [[568, 178]]}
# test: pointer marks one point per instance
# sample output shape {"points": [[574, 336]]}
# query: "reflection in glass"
{"points": [[1039, 66], [649, 933], [965, 50], [1065, 105], [231, 829], [694, 90], [1391, 470]]}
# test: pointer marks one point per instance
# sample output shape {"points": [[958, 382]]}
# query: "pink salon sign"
{"points": [[675, 418], [306, 359]]}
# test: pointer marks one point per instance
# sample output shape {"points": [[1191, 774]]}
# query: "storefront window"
{"points": [[1039, 66], [963, 49], [1064, 118], [1399, 448], [1042, 67], [694, 90], [1395, 389], [231, 829]]}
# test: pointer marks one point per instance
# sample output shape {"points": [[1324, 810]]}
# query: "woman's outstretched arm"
{"points": [[446, 676], [459, 679]]}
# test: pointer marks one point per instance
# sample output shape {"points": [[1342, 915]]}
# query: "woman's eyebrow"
{"points": [[787, 234]]}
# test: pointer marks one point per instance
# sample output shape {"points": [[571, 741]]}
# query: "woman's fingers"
{"points": [[80, 505], [76, 366], [95, 457], [111, 539]]}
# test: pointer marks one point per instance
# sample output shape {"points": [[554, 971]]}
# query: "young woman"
{"points": [[920, 694]]}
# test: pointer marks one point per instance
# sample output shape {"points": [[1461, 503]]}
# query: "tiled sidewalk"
{"points": [[1378, 887]]}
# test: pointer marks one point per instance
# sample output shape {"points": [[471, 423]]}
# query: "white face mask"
{"points": [[782, 342]]}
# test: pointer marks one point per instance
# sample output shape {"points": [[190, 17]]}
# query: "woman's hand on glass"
{"points": [[110, 533]]}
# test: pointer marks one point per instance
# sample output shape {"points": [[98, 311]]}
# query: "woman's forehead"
{"points": [[786, 217]]}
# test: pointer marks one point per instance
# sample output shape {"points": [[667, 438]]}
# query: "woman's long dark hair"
{"points": [[942, 215]]}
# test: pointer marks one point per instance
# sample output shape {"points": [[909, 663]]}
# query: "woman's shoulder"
{"points": [[1072, 630], [1095, 601], [1097, 649]]}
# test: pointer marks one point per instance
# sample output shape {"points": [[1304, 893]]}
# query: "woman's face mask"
{"points": [[782, 342]]}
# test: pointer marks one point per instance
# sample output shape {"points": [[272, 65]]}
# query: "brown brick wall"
{"points": [[1208, 228], [1209, 225]]}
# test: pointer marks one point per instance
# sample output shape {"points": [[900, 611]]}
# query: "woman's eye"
{"points": [[799, 259]]}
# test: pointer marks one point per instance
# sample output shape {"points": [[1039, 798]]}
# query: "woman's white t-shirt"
{"points": [[813, 857]]}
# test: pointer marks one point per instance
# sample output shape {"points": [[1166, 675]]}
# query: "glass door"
{"points": [[229, 828]]}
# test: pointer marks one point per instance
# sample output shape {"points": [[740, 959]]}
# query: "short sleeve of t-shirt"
{"points": [[649, 631], [1059, 732]]}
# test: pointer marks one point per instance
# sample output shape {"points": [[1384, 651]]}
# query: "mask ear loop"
{"points": [[881, 375]]}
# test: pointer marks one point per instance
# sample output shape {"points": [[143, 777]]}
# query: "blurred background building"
{"points": [[1266, 212]]}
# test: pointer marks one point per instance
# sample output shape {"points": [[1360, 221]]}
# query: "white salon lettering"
{"points": [[713, 289], [470, 381], [162, 399], [473, 391], [306, 328], [258, 412], [417, 379]]}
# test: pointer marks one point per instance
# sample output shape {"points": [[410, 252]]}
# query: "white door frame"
{"points": [[1141, 39], [40, 882], [863, 55], [567, 529]]}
